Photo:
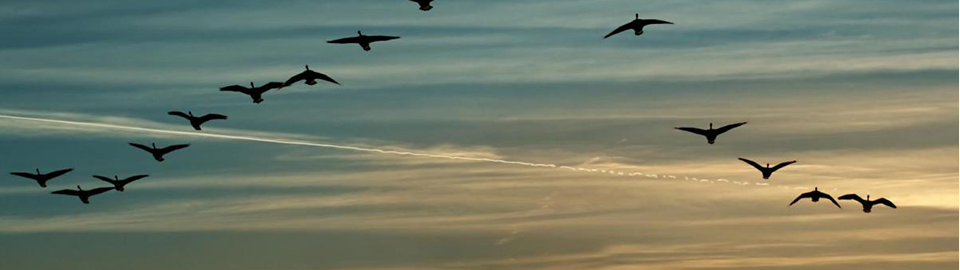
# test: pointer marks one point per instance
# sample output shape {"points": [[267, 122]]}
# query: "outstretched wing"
{"points": [[783, 164], [234, 88], [212, 116], [134, 178], [296, 78], [729, 127], [345, 40], [25, 175], [67, 192], [693, 130], [172, 148], [754, 164], [831, 200], [55, 174], [271, 85], [805, 195], [851, 197], [381, 38], [322, 76], [886, 202], [103, 178], [654, 21], [142, 147], [179, 113], [98, 191], [622, 28]]}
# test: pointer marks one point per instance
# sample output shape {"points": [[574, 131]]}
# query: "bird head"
{"points": [[251, 85], [79, 189], [116, 178], [711, 125], [359, 34], [307, 66], [768, 165], [636, 16], [190, 113], [154, 145], [38, 170]]}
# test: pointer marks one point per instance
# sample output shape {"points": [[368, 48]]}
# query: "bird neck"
{"points": [[154, 145], [308, 67], [190, 113], [251, 85], [711, 126], [116, 178], [79, 189], [38, 170], [768, 165], [637, 16]]}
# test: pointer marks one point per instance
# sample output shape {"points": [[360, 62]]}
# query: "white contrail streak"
{"points": [[374, 150]]}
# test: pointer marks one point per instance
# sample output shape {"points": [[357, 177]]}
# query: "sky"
{"points": [[493, 134]]}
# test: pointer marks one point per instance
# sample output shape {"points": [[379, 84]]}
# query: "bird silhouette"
{"points": [[197, 121], [767, 171], [256, 93], [868, 204], [159, 152], [637, 25], [815, 196], [118, 184], [424, 4], [42, 178], [362, 39], [711, 133], [84, 195], [310, 76]]}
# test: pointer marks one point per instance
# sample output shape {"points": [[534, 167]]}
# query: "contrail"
{"points": [[377, 150]]}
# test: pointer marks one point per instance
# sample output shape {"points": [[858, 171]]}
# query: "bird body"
{"points": [[159, 152], [815, 196], [424, 4], [309, 76], [84, 195], [868, 204], [118, 183], [767, 171], [255, 93], [636, 25], [711, 134], [197, 121], [363, 40], [42, 178]]}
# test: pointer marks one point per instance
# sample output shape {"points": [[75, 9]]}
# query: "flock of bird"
{"points": [[310, 77]]}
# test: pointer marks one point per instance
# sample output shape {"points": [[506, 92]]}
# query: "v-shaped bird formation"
{"points": [[310, 77]]}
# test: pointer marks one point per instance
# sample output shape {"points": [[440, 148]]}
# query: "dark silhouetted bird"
{"points": [[424, 4], [711, 133], [767, 171], [158, 153], [119, 184], [42, 178], [256, 93], [868, 204], [197, 121], [84, 195], [310, 76], [815, 196], [637, 25], [362, 39]]}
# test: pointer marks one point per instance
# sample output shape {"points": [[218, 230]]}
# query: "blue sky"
{"points": [[862, 93]]}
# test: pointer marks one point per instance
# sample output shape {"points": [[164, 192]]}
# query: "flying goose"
{"points": [[815, 196], [159, 152], [767, 171], [42, 178], [84, 195], [362, 39], [711, 133], [119, 184], [310, 76], [197, 121], [637, 25], [868, 204], [424, 4], [256, 93]]}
